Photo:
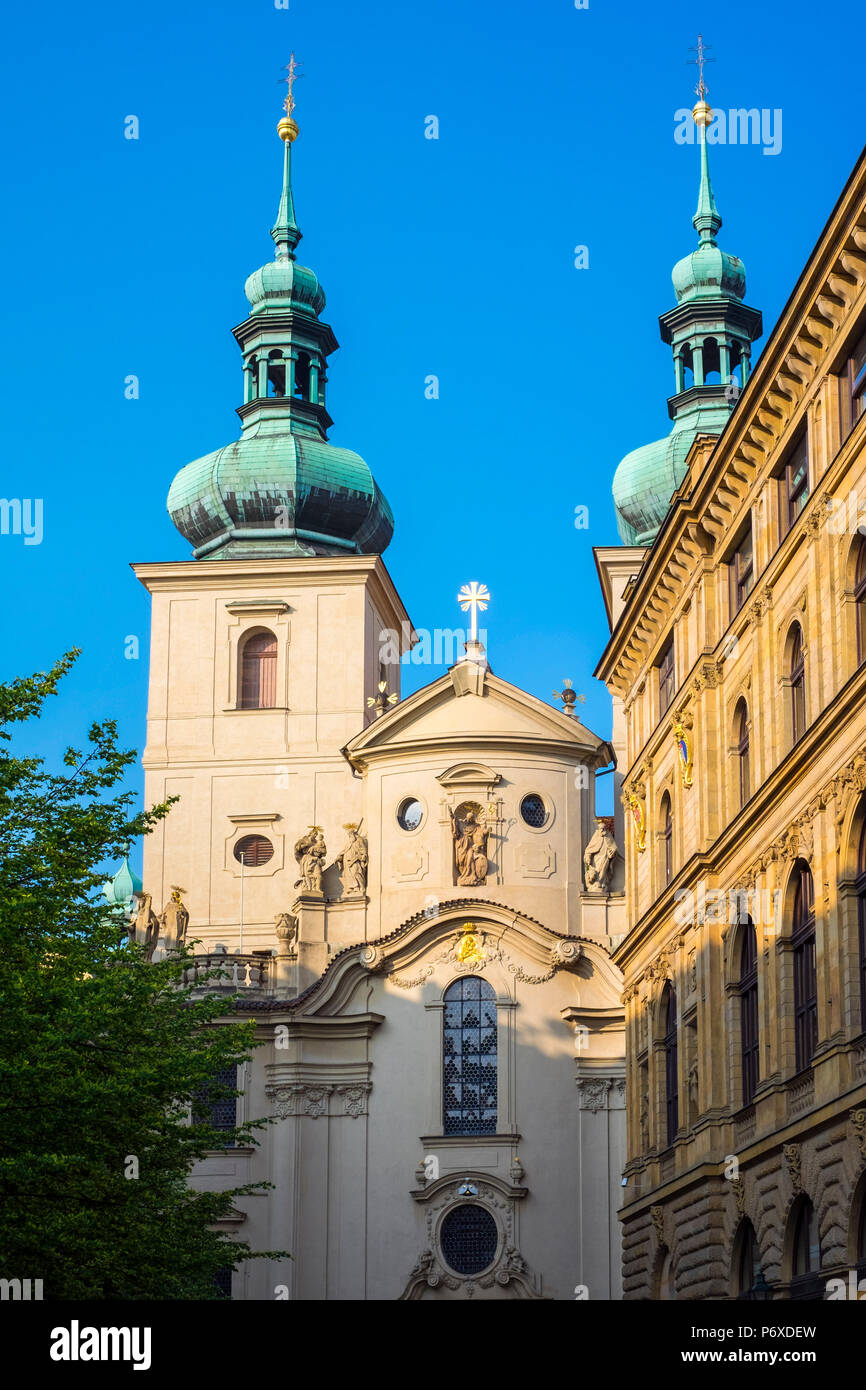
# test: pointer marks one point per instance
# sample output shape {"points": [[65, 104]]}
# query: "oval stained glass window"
{"points": [[468, 1237], [410, 813], [533, 810]]}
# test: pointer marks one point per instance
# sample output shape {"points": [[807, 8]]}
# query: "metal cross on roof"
{"points": [[568, 697], [701, 50], [293, 75], [471, 598]]}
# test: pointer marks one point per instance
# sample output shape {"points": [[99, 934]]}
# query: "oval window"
{"points": [[410, 814], [533, 810], [253, 851], [469, 1237]]}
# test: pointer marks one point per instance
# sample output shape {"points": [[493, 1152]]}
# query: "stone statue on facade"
{"points": [[644, 1121], [144, 927], [354, 859], [310, 853], [174, 920], [470, 849], [598, 857]]}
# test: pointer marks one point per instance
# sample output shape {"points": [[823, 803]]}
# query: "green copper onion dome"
{"points": [[121, 889], [282, 488], [710, 332]]}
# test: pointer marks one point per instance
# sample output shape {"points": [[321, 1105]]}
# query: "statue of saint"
{"points": [[354, 859], [598, 857], [310, 853], [470, 849], [174, 920], [144, 926]]}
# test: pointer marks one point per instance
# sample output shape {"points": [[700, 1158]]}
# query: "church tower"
{"points": [[267, 644]]}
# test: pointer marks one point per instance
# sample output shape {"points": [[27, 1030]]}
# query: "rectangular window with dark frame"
{"points": [[805, 970], [794, 483], [666, 677], [742, 571], [852, 398]]}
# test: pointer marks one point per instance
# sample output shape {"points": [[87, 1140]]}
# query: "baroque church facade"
{"points": [[413, 897], [737, 668]]}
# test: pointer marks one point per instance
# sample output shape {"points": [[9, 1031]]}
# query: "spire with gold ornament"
{"points": [[710, 332], [282, 488]]}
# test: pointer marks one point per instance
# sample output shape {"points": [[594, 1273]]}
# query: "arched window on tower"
{"points": [[741, 733], [861, 928], [797, 683], [302, 376], [712, 362], [747, 988], [276, 373], [666, 835], [805, 971], [669, 1014], [469, 1061], [258, 672]]}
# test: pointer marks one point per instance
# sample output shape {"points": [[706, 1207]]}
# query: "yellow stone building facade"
{"points": [[737, 665]]}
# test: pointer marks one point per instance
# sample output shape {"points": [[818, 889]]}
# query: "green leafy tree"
{"points": [[104, 1057]]}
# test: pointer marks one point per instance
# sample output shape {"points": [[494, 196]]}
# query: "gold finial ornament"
{"points": [[287, 128]]}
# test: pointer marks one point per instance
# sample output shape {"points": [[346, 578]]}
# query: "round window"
{"points": [[469, 1238], [409, 814], [533, 810], [253, 851]]}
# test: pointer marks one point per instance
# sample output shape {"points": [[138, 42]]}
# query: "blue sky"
{"points": [[452, 257]]}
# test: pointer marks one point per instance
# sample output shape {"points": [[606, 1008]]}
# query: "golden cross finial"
{"points": [[701, 50], [291, 69]]}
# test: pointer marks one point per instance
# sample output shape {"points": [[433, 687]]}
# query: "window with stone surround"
{"points": [[469, 1060], [794, 483], [257, 681], [805, 971], [797, 683], [669, 1014], [747, 989], [741, 734], [852, 395], [741, 568], [861, 922], [666, 837], [667, 684]]}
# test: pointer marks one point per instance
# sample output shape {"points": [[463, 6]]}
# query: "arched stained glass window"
{"points": [[469, 1058]]}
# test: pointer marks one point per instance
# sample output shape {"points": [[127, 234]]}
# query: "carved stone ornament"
{"points": [[566, 953], [738, 1187], [793, 1160], [431, 1271], [299, 1098], [858, 1124], [657, 1216], [593, 1092], [372, 958]]}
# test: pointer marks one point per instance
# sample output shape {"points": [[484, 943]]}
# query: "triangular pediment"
{"points": [[501, 714]]}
